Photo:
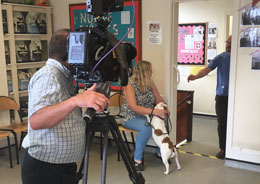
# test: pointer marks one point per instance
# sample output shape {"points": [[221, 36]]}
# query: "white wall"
{"points": [[214, 11], [61, 12], [162, 56], [244, 99]]}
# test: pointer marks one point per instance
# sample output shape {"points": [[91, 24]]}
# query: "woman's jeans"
{"points": [[143, 134]]}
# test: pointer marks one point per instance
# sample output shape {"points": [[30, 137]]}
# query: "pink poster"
{"points": [[191, 44]]}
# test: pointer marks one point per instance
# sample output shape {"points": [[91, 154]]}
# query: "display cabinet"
{"points": [[26, 32]]}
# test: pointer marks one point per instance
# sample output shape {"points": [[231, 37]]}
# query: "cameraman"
{"points": [[56, 130]]}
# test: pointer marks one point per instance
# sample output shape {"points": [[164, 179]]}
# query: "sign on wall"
{"points": [[192, 44]]}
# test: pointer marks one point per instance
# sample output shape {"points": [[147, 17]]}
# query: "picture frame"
{"points": [[119, 26], [192, 39]]}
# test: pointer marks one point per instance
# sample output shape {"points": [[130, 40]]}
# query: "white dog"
{"points": [[161, 138]]}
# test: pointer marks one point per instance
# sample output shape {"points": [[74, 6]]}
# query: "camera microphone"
{"points": [[102, 88]]}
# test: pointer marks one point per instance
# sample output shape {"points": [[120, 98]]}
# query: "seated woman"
{"points": [[140, 96]]}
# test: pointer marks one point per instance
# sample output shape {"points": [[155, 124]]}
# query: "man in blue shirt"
{"points": [[222, 62]]}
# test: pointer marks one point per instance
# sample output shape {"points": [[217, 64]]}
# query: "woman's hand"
{"points": [[160, 113]]}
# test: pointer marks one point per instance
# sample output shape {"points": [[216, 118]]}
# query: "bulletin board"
{"points": [[119, 26], [192, 44]]}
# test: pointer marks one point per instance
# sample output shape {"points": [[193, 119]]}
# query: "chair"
{"points": [[116, 101], [7, 103], [6, 134]]}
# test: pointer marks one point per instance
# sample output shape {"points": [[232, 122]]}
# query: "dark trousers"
{"points": [[37, 172], [221, 111]]}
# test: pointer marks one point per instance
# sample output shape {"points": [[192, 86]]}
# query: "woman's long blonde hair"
{"points": [[142, 75]]}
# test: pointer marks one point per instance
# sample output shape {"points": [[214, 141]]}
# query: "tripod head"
{"points": [[103, 88]]}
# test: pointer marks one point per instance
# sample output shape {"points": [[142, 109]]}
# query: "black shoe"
{"points": [[159, 157], [139, 167], [220, 154]]}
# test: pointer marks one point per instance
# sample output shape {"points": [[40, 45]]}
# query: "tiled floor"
{"points": [[195, 169]]}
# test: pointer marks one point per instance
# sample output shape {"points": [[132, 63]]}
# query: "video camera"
{"points": [[95, 53]]}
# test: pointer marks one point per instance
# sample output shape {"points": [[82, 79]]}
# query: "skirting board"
{"points": [[242, 165]]}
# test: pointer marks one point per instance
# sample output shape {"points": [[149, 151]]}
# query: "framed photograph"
{"points": [[121, 22], [250, 15], [256, 61], [192, 44], [250, 37]]}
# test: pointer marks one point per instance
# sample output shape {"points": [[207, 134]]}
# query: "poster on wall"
{"points": [[256, 61], [250, 15], [191, 44], [212, 41], [250, 37], [212, 30], [119, 26], [154, 33]]}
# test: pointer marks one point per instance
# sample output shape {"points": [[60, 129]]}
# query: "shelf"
{"points": [[31, 36], [23, 93], [30, 65], [8, 67], [7, 37]]}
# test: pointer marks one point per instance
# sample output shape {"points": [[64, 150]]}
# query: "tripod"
{"points": [[104, 124]]}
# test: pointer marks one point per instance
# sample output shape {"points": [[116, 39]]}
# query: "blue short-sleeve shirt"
{"points": [[222, 63]]}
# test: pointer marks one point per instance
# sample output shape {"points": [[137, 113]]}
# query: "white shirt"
{"points": [[65, 142]]}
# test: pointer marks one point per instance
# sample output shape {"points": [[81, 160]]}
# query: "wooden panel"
{"points": [[184, 115]]}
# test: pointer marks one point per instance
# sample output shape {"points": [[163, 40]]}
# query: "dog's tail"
{"points": [[174, 152]]}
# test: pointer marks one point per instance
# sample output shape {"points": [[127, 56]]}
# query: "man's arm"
{"points": [[200, 74], [50, 116]]}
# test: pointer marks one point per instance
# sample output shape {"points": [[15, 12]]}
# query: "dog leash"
{"points": [[165, 122]]}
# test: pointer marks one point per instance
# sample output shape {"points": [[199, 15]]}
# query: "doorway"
{"points": [[204, 128]]}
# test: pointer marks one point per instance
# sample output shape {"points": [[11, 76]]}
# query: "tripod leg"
{"points": [[89, 136], [104, 160], [126, 141], [135, 177], [101, 145], [80, 172]]}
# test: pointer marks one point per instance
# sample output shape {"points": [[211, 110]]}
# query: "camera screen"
{"points": [[77, 48]]}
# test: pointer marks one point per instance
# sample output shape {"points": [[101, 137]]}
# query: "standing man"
{"points": [[222, 63], [56, 130]]}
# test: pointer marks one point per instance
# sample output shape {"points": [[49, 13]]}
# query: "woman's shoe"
{"points": [[139, 166]]}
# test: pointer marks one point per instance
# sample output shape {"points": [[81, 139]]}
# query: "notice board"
{"points": [[192, 44]]}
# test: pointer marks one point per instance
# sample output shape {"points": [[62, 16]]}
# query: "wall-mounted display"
{"points": [[212, 41], [192, 43], [154, 33]]}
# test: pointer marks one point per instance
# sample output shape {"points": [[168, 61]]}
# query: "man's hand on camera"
{"points": [[90, 98]]}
